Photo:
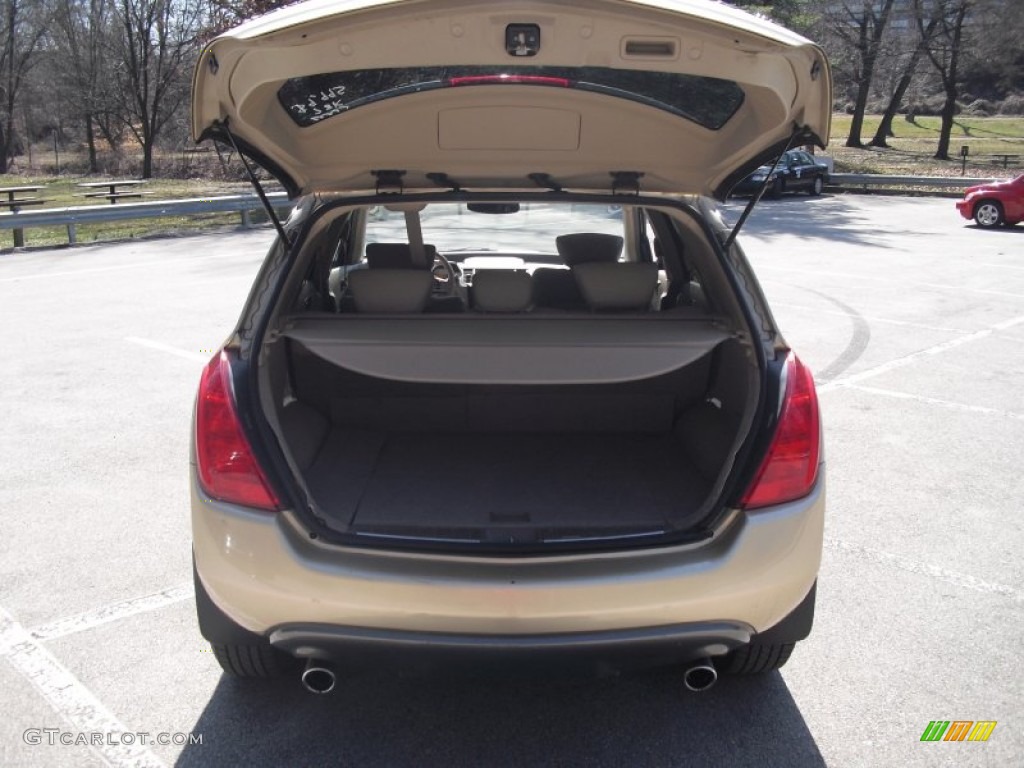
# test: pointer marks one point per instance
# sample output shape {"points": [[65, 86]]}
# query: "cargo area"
{"points": [[508, 463]]}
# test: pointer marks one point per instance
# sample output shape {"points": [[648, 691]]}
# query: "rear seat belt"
{"points": [[415, 234]]}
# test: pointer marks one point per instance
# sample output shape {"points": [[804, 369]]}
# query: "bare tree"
{"points": [[993, 62], [155, 49], [945, 50], [225, 14], [81, 31], [924, 37], [22, 28], [860, 26]]}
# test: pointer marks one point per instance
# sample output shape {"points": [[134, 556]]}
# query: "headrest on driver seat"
{"points": [[588, 247], [397, 256]]}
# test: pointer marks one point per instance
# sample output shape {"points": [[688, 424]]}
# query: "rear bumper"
{"points": [[265, 574], [646, 646], [964, 208]]}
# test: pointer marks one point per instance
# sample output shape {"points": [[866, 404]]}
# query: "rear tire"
{"points": [[259, 661], [989, 214], [817, 186], [757, 658]]}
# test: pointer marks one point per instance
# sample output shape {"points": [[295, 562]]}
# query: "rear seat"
{"points": [[387, 291], [556, 288], [618, 287], [502, 290], [596, 279], [382, 258]]}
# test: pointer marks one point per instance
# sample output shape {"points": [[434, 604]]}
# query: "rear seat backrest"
{"points": [[604, 282], [502, 290], [556, 288], [397, 291], [617, 287]]}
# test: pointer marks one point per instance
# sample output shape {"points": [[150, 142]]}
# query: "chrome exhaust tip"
{"points": [[318, 676], [700, 675]]}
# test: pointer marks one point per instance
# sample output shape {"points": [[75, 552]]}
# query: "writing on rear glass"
{"points": [[320, 104]]}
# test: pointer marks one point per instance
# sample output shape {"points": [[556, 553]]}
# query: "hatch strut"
{"points": [[756, 198], [256, 185]]}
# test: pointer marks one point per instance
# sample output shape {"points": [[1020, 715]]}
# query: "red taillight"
{"points": [[558, 82], [790, 468], [227, 469]]}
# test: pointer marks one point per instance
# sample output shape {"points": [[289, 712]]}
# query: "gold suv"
{"points": [[505, 386]]}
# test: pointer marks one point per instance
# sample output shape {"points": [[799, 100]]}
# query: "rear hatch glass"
{"points": [[707, 101]]}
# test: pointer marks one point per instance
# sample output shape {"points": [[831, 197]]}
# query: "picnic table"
{"points": [[111, 189], [14, 204], [1005, 160]]}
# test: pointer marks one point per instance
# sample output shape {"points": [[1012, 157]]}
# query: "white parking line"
{"points": [[996, 265], [980, 409], [168, 349], [69, 698], [912, 566], [962, 288], [114, 612], [913, 357], [765, 267]]}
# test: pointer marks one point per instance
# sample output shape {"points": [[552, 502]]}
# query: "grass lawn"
{"points": [[913, 145]]}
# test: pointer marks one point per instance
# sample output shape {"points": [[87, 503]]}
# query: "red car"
{"points": [[994, 204]]}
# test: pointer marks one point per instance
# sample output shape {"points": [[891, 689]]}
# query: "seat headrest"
{"points": [[502, 290], [611, 287], [588, 247], [397, 256], [390, 290]]}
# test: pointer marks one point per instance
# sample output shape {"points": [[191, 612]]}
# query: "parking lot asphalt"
{"points": [[913, 321]]}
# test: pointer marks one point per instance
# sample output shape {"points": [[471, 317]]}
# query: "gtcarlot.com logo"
{"points": [[958, 730], [54, 736]]}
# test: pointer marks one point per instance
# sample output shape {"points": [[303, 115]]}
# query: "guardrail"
{"points": [[866, 180], [244, 204], [89, 214]]}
